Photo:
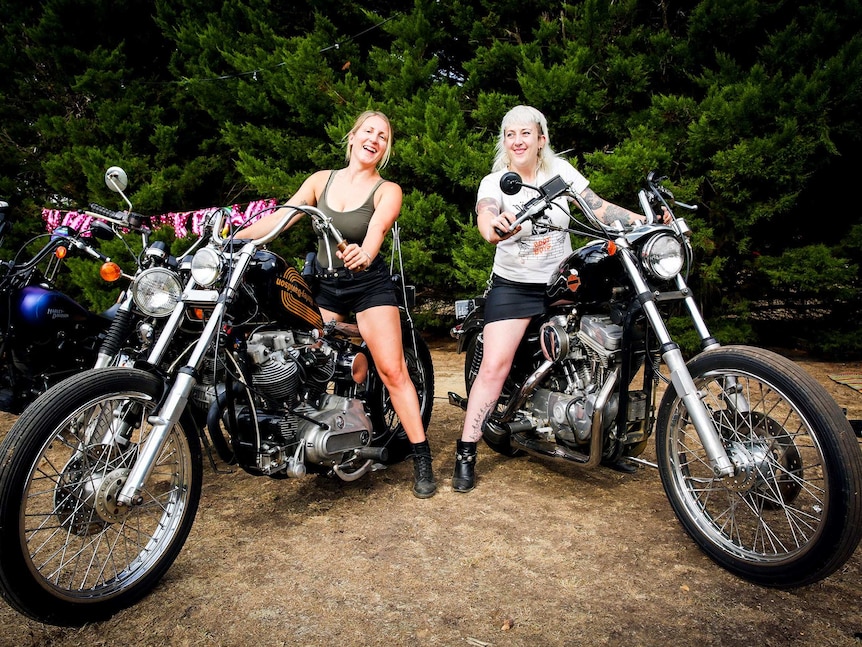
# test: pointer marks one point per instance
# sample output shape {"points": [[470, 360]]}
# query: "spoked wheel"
{"points": [[69, 553], [388, 430], [791, 514]]}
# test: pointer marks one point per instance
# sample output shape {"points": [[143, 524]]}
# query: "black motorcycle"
{"points": [[759, 463], [100, 479]]}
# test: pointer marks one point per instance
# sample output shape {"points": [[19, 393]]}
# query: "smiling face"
{"points": [[522, 143], [370, 141]]}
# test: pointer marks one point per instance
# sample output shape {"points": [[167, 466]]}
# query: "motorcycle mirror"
{"points": [[100, 230], [510, 183], [116, 179]]}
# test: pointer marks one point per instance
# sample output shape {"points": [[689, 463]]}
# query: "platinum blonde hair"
{"points": [[361, 119], [523, 115]]}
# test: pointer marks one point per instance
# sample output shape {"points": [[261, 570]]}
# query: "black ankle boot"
{"points": [[464, 478], [423, 476]]}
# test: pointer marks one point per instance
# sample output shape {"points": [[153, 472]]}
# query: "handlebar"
{"points": [[128, 219], [321, 222], [511, 183], [655, 194], [80, 245]]}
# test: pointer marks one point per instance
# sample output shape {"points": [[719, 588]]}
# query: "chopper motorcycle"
{"points": [[100, 478], [758, 462]]}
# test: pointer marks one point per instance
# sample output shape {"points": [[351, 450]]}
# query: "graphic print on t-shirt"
{"points": [[550, 245]]}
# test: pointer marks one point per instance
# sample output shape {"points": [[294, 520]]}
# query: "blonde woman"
{"points": [[523, 261], [364, 206]]}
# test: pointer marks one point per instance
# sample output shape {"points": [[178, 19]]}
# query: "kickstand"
{"points": [[208, 450]]}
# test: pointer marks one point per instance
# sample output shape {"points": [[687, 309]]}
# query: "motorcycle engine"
{"points": [[284, 360], [583, 358], [292, 370]]}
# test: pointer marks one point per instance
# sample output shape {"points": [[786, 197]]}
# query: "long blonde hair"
{"points": [[358, 124], [523, 115]]}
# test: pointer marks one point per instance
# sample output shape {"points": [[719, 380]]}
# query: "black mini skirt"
{"points": [[513, 300]]}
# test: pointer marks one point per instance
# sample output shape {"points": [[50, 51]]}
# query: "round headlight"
{"points": [[663, 256], [206, 266], [156, 291]]}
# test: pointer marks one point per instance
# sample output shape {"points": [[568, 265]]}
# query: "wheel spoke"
{"points": [[71, 544], [774, 505]]}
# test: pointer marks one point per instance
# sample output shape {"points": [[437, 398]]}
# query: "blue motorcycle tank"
{"points": [[38, 307]]}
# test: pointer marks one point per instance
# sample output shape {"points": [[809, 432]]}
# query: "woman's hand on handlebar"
{"points": [[499, 229], [355, 258], [493, 225]]}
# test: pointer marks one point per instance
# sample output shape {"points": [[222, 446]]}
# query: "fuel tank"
{"points": [[282, 292], [587, 276], [38, 308]]}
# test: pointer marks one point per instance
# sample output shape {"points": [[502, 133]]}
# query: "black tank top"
{"points": [[352, 224]]}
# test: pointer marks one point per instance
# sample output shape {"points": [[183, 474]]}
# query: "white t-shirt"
{"points": [[527, 257]]}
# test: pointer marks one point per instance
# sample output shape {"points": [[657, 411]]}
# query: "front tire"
{"points": [[68, 553], [792, 512]]}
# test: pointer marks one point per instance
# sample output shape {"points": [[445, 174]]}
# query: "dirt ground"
{"points": [[538, 554]]}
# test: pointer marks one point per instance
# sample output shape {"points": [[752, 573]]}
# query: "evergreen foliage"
{"points": [[752, 108]]}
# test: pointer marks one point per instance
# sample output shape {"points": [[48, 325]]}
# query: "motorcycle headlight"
{"points": [[206, 266], [663, 256], [156, 291]]}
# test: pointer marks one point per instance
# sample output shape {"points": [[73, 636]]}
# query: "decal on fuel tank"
{"points": [[296, 297]]}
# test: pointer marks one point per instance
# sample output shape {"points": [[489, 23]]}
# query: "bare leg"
{"points": [[501, 342], [381, 329]]}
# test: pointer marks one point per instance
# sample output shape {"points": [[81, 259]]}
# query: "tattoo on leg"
{"points": [[475, 432]]}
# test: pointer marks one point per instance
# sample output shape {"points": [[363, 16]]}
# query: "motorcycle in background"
{"points": [[100, 479], [45, 335], [758, 462]]}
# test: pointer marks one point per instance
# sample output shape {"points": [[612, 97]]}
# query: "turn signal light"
{"points": [[110, 272], [61, 252]]}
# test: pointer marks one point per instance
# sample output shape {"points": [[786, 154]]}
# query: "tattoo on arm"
{"points": [[611, 212], [593, 200], [614, 213], [489, 204]]}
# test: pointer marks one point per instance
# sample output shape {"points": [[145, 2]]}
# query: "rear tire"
{"points": [[69, 554], [791, 514]]}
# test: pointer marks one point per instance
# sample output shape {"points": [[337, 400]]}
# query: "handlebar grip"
{"points": [[129, 219], [500, 232], [108, 213]]}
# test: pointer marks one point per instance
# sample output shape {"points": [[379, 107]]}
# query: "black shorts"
{"points": [[357, 291], [512, 300]]}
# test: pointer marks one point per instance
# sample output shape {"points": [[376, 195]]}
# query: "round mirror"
{"points": [[510, 183], [116, 180]]}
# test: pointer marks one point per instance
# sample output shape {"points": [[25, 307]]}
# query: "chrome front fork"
{"points": [[679, 375], [185, 378]]}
